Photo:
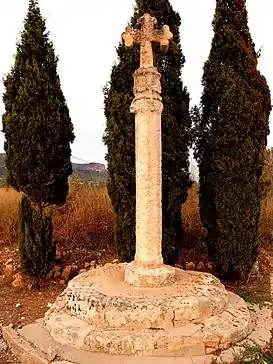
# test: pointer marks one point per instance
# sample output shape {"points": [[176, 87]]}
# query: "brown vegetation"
{"points": [[9, 205], [87, 219]]}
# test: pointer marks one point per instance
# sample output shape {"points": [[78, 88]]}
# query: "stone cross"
{"points": [[147, 269], [145, 36]]}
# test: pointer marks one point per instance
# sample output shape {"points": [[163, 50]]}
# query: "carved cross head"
{"points": [[145, 37]]}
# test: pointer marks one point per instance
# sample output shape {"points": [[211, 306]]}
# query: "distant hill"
{"points": [[95, 172]]}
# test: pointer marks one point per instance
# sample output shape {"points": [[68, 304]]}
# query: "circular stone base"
{"points": [[100, 312], [146, 276]]}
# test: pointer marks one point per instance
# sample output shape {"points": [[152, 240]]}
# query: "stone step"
{"points": [[33, 345], [104, 300]]}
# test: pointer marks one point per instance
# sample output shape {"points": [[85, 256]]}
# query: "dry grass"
{"points": [[87, 219], [192, 223], [9, 204]]}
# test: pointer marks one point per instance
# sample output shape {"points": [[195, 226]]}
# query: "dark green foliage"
{"points": [[36, 122], [120, 136], [231, 140], [36, 246], [38, 132]]}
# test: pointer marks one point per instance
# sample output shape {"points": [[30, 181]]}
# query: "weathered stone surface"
{"points": [[101, 297], [145, 36], [147, 107], [179, 266], [39, 340], [68, 330], [262, 325], [190, 266], [9, 261], [148, 269], [22, 349], [100, 312], [140, 275], [18, 281], [67, 272], [200, 266], [9, 268], [51, 353]]}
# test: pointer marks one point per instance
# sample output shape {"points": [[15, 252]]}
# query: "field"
{"points": [[83, 230], [85, 224]]}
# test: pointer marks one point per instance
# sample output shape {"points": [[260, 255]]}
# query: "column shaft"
{"points": [[148, 188]]}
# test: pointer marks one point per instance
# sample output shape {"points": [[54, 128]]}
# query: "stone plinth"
{"points": [[100, 312], [33, 345], [146, 276]]}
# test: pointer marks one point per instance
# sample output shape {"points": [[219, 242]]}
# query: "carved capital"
{"points": [[147, 79], [147, 91], [146, 105]]}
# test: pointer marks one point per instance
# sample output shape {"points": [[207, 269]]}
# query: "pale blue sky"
{"points": [[85, 37]]}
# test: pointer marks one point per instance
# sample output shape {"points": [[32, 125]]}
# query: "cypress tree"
{"points": [[120, 136], [232, 134], [36, 123], [36, 245]]}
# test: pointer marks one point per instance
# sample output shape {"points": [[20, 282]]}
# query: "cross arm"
{"points": [[163, 36], [131, 36]]}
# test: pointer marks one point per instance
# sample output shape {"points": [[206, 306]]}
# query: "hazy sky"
{"points": [[85, 37]]}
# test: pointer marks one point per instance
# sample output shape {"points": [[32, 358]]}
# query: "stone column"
{"points": [[148, 270], [148, 107]]}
